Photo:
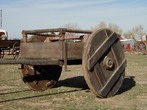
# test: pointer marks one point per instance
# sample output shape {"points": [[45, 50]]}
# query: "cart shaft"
{"points": [[31, 61]]}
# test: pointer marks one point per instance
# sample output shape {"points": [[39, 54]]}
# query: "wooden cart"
{"points": [[10, 47], [103, 59]]}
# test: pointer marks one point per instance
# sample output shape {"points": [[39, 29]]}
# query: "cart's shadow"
{"points": [[75, 82], [15, 92], [36, 96], [79, 82], [128, 83]]}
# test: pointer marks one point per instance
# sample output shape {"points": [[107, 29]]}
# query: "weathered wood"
{"points": [[35, 61], [65, 55], [102, 55], [41, 50], [74, 50], [101, 50], [115, 76], [103, 63], [24, 35], [40, 77], [56, 30], [54, 50], [44, 34]]}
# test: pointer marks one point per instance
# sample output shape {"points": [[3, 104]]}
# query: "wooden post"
{"points": [[24, 37], [65, 55]]}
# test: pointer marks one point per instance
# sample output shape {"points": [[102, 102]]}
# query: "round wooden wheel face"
{"points": [[41, 78], [104, 63]]}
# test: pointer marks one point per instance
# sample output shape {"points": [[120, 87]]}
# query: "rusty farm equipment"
{"points": [[141, 47], [10, 47], [102, 56]]}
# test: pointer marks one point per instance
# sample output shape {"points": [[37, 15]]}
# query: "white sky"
{"points": [[21, 15]]}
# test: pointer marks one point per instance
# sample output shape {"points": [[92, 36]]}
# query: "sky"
{"points": [[18, 15]]}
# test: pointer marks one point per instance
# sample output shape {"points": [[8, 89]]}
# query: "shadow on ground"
{"points": [[75, 82], [37, 96], [79, 82], [128, 84], [14, 92]]}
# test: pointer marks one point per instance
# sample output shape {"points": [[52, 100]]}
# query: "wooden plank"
{"points": [[56, 30], [51, 50], [74, 50], [101, 50], [114, 77], [41, 50], [99, 74], [28, 61]]}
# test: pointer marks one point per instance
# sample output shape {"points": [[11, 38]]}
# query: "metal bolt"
{"points": [[108, 62]]}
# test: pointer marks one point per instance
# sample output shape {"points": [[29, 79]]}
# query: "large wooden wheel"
{"points": [[104, 63], [41, 78]]}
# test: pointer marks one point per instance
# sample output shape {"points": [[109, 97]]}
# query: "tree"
{"points": [[129, 35], [135, 33], [138, 30], [111, 26], [102, 24], [115, 28], [71, 26]]}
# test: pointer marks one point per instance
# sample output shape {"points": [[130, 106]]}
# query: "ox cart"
{"points": [[10, 47], [102, 56]]}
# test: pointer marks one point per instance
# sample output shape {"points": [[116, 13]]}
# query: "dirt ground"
{"points": [[72, 93]]}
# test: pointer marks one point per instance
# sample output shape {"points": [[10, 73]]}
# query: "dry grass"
{"points": [[72, 93]]}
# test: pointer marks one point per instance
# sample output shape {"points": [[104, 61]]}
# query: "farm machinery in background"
{"points": [[100, 52], [141, 45], [10, 47], [134, 45]]}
